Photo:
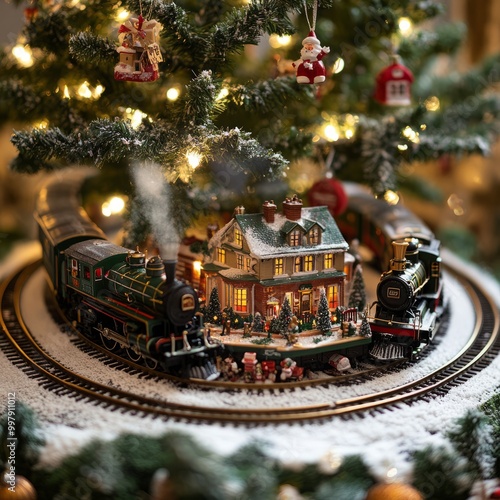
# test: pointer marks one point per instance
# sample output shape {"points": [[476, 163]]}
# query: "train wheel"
{"points": [[151, 363], [109, 344], [133, 356]]}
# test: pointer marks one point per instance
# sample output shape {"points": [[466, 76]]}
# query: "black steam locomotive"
{"points": [[409, 301], [133, 305]]}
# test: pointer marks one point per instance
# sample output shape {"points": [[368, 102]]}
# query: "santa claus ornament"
{"points": [[139, 50], [393, 84], [309, 67]]}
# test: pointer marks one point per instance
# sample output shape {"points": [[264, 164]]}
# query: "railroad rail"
{"points": [[22, 349]]}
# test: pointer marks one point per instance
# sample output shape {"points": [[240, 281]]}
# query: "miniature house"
{"points": [[393, 86], [258, 260]]}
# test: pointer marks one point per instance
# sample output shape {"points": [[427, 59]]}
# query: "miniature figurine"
{"points": [[310, 68], [287, 366], [249, 361]]}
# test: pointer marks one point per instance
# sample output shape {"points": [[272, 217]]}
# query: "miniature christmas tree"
{"points": [[323, 321], [221, 121], [214, 312], [357, 296], [284, 317], [365, 329]]}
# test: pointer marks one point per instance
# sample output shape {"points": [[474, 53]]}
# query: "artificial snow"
{"points": [[384, 439]]}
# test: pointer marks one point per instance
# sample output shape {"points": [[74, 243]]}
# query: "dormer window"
{"points": [[295, 238], [315, 236], [238, 237]]}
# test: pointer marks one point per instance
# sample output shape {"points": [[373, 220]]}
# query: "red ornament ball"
{"points": [[329, 192], [495, 493]]}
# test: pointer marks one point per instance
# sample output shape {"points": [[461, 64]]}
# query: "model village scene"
{"points": [[277, 287]]}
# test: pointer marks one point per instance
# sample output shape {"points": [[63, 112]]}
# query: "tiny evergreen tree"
{"points": [[365, 329], [285, 316], [214, 312], [323, 321], [258, 323], [357, 297]]}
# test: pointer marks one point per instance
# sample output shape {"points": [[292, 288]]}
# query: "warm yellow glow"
{"points": [[136, 116], [456, 204], [194, 158], [41, 124], [122, 15], [410, 134], [66, 92], [391, 197], [84, 90], [338, 65], [197, 268], [331, 133], [173, 93], [316, 138], [278, 41], [432, 103], [224, 92], [115, 205], [423, 126], [98, 91], [405, 25], [22, 53], [349, 133], [402, 147]]}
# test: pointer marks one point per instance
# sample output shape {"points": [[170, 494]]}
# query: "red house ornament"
{"points": [[393, 85]]}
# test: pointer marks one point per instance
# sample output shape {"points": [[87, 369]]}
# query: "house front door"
{"points": [[305, 302]]}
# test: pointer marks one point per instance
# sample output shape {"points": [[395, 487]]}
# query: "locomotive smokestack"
{"points": [[169, 252], [398, 262], [170, 266]]}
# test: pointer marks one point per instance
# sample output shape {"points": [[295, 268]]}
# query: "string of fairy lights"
{"points": [[334, 127]]}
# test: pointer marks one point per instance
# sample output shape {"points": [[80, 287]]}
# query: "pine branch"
{"points": [[49, 32], [90, 48]]}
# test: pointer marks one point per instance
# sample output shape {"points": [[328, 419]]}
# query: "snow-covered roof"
{"points": [[269, 240]]}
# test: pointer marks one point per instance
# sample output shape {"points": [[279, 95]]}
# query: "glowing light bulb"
{"points": [[122, 15], [173, 93], [410, 134], [405, 25], [98, 91], [115, 205], [194, 159], [136, 117], [224, 92], [402, 147], [338, 65], [84, 91], [66, 92], [278, 41], [432, 103], [22, 53], [392, 198], [197, 268], [331, 133]]}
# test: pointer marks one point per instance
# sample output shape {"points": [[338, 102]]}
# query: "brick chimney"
{"points": [[269, 209], [292, 208]]}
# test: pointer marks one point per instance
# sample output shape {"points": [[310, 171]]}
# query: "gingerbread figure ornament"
{"points": [[310, 68]]}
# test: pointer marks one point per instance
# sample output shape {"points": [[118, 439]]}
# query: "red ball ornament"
{"points": [[329, 192], [495, 493], [393, 84]]}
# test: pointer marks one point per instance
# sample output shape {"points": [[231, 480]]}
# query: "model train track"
{"points": [[22, 349]]}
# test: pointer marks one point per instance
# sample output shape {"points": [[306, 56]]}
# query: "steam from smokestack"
{"points": [[154, 193]]}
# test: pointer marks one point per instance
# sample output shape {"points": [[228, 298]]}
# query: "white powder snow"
{"points": [[383, 439]]}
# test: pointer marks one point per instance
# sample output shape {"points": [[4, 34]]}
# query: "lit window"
{"points": [[239, 261], [86, 272], [240, 300], [278, 266], [298, 264], [314, 236], [238, 238], [98, 274], [74, 268], [308, 263], [328, 261], [295, 238], [221, 255], [247, 263], [332, 296]]}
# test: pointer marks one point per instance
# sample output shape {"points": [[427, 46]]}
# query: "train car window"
{"points": [[86, 272], [98, 274], [74, 268]]}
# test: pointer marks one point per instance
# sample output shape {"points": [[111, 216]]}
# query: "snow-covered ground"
{"points": [[383, 439]]}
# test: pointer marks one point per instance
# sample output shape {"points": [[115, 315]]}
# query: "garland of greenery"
{"points": [[131, 465]]}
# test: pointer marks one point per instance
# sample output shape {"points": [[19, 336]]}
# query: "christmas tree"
{"points": [[213, 312], [323, 321], [223, 121], [357, 296], [284, 317]]}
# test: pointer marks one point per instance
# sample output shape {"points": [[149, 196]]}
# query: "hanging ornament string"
{"points": [[309, 67], [312, 26]]}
